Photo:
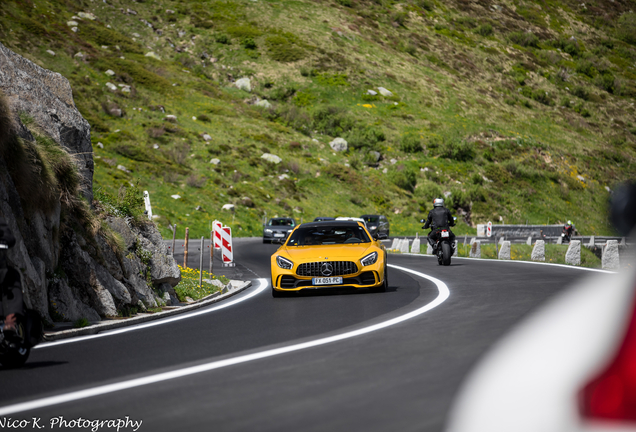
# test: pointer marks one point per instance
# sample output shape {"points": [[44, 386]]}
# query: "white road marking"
{"points": [[519, 261], [263, 285], [443, 294]]}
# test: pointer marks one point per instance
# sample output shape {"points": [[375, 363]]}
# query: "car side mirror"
{"points": [[381, 236]]}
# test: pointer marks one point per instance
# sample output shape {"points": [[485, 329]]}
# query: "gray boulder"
{"points": [[47, 97], [339, 144], [573, 255], [244, 84], [65, 302]]}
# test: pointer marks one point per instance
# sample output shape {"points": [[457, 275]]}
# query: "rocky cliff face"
{"points": [[76, 261]]}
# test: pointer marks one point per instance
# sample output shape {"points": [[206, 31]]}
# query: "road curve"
{"points": [[399, 377]]}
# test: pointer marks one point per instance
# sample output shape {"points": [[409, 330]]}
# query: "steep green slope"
{"points": [[520, 111]]}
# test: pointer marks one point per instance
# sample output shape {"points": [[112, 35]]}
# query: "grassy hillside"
{"points": [[521, 111]]}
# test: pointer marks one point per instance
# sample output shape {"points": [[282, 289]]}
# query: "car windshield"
{"points": [[328, 235], [371, 219], [281, 222]]}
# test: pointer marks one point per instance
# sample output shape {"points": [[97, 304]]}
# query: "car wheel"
{"points": [[266, 241]]}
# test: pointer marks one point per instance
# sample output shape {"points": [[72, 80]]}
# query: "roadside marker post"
{"points": [[185, 248], [217, 227], [226, 251], [489, 229], [147, 203], [211, 252], [201, 261], [174, 237]]}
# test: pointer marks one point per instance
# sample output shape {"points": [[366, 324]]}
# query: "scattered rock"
{"points": [[153, 55], [215, 161], [263, 103], [247, 202], [171, 118], [72, 23], [244, 84], [229, 207], [79, 55], [393, 161], [375, 156], [111, 86], [87, 15], [384, 92], [175, 196], [110, 72], [339, 144], [100, 145], [206, 137], [271, 158], [51, 52], [123, 168], [283, 177], [372, 92]]}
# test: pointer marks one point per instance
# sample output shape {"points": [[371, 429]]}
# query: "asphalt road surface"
{"points": [[232, 368]]}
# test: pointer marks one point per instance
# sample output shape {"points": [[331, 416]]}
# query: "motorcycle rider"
{"points": [[568, 230], [11, 300], [439, 218]]}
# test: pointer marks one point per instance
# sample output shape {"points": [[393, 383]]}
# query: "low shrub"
{"points": [[405, 179], [364, 137], [484, 30], [626, 28], [525, 39], [411, 143], [458, 149]]}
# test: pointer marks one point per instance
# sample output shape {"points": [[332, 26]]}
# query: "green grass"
{"points": [[471, 90], [189, 285]]}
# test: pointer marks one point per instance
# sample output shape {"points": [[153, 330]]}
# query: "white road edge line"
{"points": [[263, 285], [444, 293], [520, 261]]}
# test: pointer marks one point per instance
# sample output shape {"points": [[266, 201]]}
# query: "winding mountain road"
{"points": [[323, 361]]}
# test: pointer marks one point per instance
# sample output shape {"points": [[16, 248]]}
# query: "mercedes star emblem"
{"points": [[326, 269]]}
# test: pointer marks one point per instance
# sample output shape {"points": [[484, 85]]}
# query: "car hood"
{"points": [[347, 252]]}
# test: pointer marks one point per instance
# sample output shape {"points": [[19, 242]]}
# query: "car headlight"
{"points": [[284, 263], [369, 259], [268, 231], [373, 227]]}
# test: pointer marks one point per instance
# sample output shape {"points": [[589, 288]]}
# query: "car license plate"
{"points": [[279, 235], [327, 281], [444, 233]]}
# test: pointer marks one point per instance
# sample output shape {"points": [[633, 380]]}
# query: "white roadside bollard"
{"points": [[456, 243], [404, 247], [591, 243], [573, 255], [472, 240], [147, 204], [415, 247], [611, 259], [504, 252], [501, 240], [475, 249], [538, 251], [529, 241], [429, 249], [227, 251], [560, 240], [394, 245]]}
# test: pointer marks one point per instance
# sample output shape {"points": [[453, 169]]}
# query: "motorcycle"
{"points": [[565, 238], [16, 344], [443, 248]]}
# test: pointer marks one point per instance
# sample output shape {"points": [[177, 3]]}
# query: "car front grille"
{"points": [[339, 268], [290, 282]]}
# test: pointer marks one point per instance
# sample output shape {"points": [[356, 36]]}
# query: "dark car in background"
{"points": [[377, 224], [278, 228]]}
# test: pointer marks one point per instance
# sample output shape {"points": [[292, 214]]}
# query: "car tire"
{"points": [[266, 241]]}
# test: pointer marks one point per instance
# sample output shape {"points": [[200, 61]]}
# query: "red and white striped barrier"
{"points": [[226, 247], [217, 228]]}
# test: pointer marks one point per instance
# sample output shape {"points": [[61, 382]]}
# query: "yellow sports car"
{"points": [[330, 254]]}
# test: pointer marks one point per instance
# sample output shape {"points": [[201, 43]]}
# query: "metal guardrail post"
{"points": [[211, 252], [174, 236]]}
